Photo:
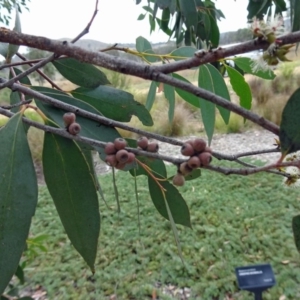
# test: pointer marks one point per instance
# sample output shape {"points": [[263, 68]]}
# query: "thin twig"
{"points": [[88, 26], [46, 60], [16, 104], [234, 157], [20, 63], [53, 84]]}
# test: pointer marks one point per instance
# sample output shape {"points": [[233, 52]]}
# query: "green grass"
{"points": [[236, 221]]}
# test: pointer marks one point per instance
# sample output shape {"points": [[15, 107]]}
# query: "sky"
{"points": [[116, 21]]}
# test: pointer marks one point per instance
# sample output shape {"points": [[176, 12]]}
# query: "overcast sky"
{"points": [[116, 21]]}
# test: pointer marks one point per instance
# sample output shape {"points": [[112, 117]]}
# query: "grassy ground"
{"points": [[236, 221]]}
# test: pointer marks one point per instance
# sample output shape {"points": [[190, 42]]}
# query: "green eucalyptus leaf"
{"points": [[13, 49], [189, 12], [114, 104], [210, 79], [177, 205], [296, 18], [220, 89], [151, 95], [9, 50], [240, 86], [143, 46], [289, 133], [72, 187], [296, 231], [245, 64], [215, 33], [18, 196], [169, 92], [186, 96], [165, 19], [141, 17], [183, 52], [258, 8], [79, 73]]}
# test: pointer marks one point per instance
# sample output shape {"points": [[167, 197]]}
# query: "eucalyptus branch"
{"points": [[253, 170], [176, 161], [234, 157], [86, 114], [209, 96], [132, 68]]}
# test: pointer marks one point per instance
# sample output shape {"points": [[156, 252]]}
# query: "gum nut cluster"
{"points": [[144, 144], [199, 156], [116, 154], [69, 121]]}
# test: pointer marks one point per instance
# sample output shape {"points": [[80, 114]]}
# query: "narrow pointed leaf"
{"points": [[151, 95], [177, 205], [114, 104], [72, 187], [183, 52], [186, 96], [18, 196], [245, 64], [82, 74], [189, 12], [9, 50], [289, 133], [296, 17], [219, 88], [13, 49], [208, 112], [169, 92], [296, 231], [240, 86]]}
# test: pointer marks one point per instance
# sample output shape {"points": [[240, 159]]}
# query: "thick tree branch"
{"points": [[132, 68]]}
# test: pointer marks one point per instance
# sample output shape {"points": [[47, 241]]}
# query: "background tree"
{"points": [[86, 118]]}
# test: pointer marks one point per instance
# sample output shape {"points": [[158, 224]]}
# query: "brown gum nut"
{"points": [[205, 158], [199, 145], [143, 142], [178, 180], [187, 149], [120, 143], [131, 157], [122, 156], [194, 162], [184, 169], [153, 147], [207, 149], [69, 118], [111, 160], [74, 128], [110, 148]]}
